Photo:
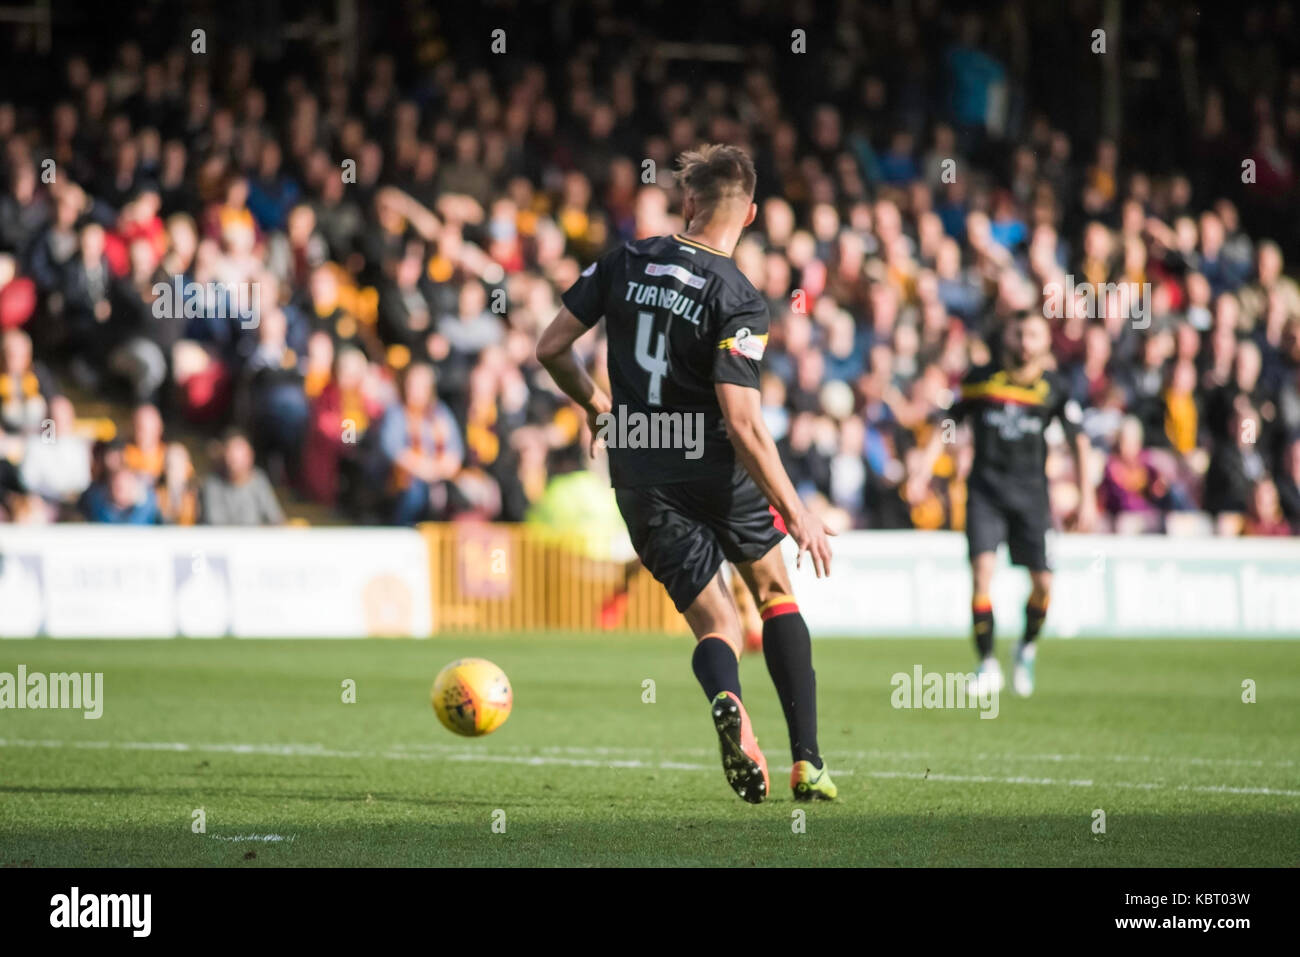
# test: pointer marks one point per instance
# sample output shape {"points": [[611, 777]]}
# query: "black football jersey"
{"points": [[679, 318], [1008, 421]]}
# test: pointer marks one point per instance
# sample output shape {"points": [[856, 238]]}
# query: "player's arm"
{"points": [[1087, 493], [584, 304], [918, 479], [555, 353], [1070, 415], [743, 413]]}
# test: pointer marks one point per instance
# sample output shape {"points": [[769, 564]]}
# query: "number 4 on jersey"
{"points": [[657, 364]]}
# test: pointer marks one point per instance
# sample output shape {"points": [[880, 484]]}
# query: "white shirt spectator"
{"points": [[59, 470]]}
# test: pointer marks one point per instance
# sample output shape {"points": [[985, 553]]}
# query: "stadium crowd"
{"points": [[312, 283]]}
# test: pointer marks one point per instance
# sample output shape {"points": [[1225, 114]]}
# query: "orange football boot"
{"points": [[742, 761]]}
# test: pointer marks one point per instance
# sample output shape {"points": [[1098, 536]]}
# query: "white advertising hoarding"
{"points": [[80, 581], [94, 581], [911, 584]]}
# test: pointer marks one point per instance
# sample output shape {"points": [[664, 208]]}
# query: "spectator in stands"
{"points": [[56, 463], [1243, 386], [1269, 281], [1144, 383], [1288, 483], [1131, 484], [26, 386], [240, 493], [86, 287], [51, 256], [17, 295], [123, 498], [466, 332], [341, 416], [1235, 467], [1181, 412], [178, 488], [422, 446], [277, 406], [406, 315], [317, 365], [1265, 516], [1092, 377], [24, 210], [145, 453], [106, 457], [272, 193]]}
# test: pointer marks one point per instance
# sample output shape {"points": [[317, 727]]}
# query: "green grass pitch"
{"points": [[255, 734]]}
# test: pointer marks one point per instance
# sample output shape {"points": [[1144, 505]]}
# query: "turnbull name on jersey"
{"points": [[670, 300]]}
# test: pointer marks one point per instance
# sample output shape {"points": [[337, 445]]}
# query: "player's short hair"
{"points": [[716, 173]]}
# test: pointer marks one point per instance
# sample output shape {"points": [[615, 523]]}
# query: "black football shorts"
{"points": [[684, 531], [1022, 520]]}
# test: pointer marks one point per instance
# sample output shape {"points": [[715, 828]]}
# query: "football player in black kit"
{"points": [[1009, 406], [686, 332]]}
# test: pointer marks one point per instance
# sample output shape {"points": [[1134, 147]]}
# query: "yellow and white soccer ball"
{"points": [[472, 697]]}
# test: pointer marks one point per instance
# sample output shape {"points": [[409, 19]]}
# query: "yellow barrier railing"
{"points": [[499, 577]]}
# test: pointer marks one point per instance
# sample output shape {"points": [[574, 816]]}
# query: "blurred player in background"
{"points": [[1009, 404], [686, 332]]}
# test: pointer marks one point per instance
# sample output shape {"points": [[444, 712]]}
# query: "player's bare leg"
{"points": [[751, 624], [716, 624], [988, 675], [1040, 596], [787, 649]]}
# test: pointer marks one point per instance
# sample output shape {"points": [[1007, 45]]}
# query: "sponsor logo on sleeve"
{"points": [[745, 344]]}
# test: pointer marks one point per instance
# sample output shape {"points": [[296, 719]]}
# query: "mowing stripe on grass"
{"points": [[452, 753]]}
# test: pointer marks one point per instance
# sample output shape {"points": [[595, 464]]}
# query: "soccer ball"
{"points": [[472, 697]]}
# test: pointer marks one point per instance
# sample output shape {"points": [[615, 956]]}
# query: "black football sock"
{"points": [[787, 649], [715, 666], [981, 613], [1035, 615]]}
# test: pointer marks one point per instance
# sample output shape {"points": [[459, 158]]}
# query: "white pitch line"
{"points": [[451, 753], [1226, 789], [259, 838], [908, 755]]}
